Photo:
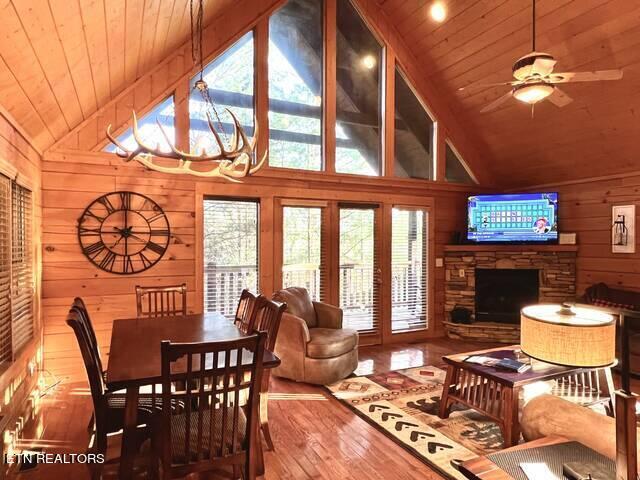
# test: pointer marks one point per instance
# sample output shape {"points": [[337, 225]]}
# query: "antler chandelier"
{"points": [[232, 163]]}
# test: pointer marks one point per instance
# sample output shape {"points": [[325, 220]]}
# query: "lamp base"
{"points": [[626, 436]]}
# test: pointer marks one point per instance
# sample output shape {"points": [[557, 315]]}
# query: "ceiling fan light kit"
{"points": [[532, 93]]}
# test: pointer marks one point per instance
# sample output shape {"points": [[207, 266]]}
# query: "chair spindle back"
{"points": [[165, 301]]}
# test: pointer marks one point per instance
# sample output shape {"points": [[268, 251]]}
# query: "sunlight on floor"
{"points": [[298, 396]]}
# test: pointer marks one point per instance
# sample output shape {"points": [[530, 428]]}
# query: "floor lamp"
{"points": [[585, 336]]}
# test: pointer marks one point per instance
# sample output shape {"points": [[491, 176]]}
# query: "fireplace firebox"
{"points": [[502, 292]]}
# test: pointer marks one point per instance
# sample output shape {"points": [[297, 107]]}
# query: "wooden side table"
{"points": [[496, 393]]}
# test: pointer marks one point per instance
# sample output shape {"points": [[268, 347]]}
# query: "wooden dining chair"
{"points": [[108, 408], [245, 312], [267, 319], [167, 301], [218, 425], [81, 307]]}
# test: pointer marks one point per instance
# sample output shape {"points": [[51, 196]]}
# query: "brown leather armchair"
{"points": [[312, 344]]}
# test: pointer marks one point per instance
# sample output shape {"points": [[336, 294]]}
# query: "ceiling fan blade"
{"points": [[497, 102], [484, 85], [585, 76], [559, 98]]}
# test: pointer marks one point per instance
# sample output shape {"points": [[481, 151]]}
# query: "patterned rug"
{"points": [[404, 404]]}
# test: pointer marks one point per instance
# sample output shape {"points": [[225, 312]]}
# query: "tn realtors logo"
{"points": [[27, 457]]}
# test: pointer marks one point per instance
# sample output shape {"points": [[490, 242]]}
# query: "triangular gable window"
{"points": [[230, 78], [148, 128], [414, 133], [456, 170]]}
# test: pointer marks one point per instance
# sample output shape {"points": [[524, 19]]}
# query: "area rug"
{"points": [[404, 405]]}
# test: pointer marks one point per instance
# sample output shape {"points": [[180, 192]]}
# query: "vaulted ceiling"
{"points": [[62, 60], [595, 135]]}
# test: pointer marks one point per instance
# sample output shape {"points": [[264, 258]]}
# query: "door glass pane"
{"points": [[358, 292], [230, 80], [414, 134], [295, 85], [303, 252], [409, 262], [359, 69], [230, 253]]}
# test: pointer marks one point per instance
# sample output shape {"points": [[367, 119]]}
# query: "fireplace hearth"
{"points": [[495, 281]]}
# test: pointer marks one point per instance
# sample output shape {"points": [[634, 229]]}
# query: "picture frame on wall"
{"points": [[623, 229]]}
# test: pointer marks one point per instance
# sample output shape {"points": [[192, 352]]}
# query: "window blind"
{"points": [[359, 270], [5, 270], [409, 267], [21, 267], [230, 253], [304, 256]]}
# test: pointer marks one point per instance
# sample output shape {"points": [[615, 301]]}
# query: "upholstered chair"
{"points": [[312, 345]]}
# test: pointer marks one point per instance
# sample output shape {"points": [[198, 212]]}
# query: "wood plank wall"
{"points": [[20, 160], [585, 208], [71, 180]]}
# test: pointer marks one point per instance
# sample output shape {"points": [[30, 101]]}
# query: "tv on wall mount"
{"points": [[516, 218]]}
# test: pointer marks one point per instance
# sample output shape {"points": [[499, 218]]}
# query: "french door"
{"points": [[409, 269], [359, 267], [230, 257]]}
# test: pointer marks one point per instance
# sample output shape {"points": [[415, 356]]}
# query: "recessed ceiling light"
{"points": [[369, 61], [438, 12]]}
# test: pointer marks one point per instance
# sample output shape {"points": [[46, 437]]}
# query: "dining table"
{"points": [[135, 362]]}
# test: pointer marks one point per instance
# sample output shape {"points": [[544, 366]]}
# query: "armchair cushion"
{"points": [[329, 316], [299, 303], [330, 342]]}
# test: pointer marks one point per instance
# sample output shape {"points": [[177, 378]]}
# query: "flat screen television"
{"points": [[513, 218]]}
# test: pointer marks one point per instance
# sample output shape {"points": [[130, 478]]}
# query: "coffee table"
{"points": [[496, 392]]}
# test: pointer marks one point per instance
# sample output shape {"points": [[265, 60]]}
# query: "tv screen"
{"points": [[513, 218]]}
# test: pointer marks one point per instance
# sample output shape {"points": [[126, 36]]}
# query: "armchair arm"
{"points": [[329, 316], [293, 334]]}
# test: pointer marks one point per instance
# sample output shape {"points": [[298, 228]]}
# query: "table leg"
{"points": [[264, 411], [606, 379], [511, 422], [450, 379], [128, 452]]}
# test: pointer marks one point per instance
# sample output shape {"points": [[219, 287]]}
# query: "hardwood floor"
{"points": [[315, 436]]}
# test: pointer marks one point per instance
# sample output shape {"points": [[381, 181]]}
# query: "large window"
{"points": [[358, 269], [303, 249], [359, 58], [409, 267], [455, 169], [230, 253], [230, 78], [163, 113], [16, 269], [414, 134], [295, 85]]}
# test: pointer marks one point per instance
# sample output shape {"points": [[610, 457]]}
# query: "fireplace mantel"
{"points": [[510, 248]]}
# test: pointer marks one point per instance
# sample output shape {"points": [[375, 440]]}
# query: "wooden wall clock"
{"points": [[124, 232]]}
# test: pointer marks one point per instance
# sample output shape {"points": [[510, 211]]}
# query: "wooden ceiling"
{"points": [[61, 60], [596, 135]]}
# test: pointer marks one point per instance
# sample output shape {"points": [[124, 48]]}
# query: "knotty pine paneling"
{"points": [[585, 208], [72, 180], [19, 159]]}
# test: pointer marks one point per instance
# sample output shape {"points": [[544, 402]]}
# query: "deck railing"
{"points": [[223, 285]]}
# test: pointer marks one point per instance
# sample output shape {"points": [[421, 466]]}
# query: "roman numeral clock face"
{"points": [[123, 232]]}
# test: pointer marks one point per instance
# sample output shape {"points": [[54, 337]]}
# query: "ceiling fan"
{"points": [[535, 80]]}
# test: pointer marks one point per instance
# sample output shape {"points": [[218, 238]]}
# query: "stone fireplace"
{"points": [[482, 279]]}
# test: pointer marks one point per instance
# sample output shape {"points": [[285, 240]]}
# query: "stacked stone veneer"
{"points": [[557, 274]]}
